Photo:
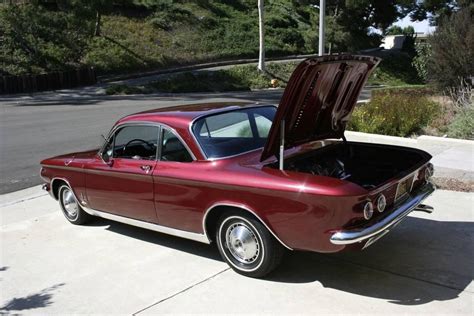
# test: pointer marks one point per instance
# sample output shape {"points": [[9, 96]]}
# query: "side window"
{"points": [[263, 125], [172, 149], [135, 142], [227, 125]]}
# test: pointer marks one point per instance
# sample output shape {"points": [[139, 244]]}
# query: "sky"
{"points": [[422, 26]]}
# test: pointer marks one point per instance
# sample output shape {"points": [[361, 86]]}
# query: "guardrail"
{"points": [[49, 81]]}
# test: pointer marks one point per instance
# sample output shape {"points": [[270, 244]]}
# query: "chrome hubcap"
{"points": [[242, 243], [70, 203]]}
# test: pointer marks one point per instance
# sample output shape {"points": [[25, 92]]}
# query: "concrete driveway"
{"points": [[50, 266]]}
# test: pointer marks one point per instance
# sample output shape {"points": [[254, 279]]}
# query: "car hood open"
{"points": [[318, 100]]}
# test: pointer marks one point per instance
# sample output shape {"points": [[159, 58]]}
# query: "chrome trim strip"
{"points": [[215, 113], [150, 226], [402, 210], [63, 167], [243, 207]]}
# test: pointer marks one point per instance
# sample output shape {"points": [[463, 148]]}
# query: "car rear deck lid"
{"points": [[318, 100]]}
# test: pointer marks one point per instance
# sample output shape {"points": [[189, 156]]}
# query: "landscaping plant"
{"points": [[397, 112]]}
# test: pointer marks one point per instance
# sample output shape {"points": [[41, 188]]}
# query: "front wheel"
{"points": [[70, 206], [247, 246]]}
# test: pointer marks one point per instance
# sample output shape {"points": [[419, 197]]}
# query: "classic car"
{"points": [[254, 179]]}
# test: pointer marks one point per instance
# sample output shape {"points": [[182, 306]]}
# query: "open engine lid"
{"points": [[318, 100]]}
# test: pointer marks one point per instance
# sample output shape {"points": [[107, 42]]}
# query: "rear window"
{"points": [[232, 133]]}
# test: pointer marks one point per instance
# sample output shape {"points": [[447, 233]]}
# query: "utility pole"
{"points": [[261, 56], [322, 15]]}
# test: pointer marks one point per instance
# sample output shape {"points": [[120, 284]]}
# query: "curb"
{"points": [[444, 140], [417, 140]]}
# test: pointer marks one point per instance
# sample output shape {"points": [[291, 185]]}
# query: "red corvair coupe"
{"points": [[254, 179]]}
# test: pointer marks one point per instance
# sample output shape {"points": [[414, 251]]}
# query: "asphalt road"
{"points": [[46, 124], [425, 266]]}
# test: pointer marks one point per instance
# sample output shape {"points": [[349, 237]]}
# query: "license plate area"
{"points": [[404, 187]]}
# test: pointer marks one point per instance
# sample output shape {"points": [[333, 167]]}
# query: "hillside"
{"points": [[149, 34]]}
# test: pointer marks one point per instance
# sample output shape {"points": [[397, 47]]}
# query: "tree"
{"points": [[350, 23], [397, 30], [89, 9], [261, 27], [452, 45], [436, 10]]}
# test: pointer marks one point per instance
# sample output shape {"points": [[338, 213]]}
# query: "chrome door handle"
{"points": [[146, 168]]}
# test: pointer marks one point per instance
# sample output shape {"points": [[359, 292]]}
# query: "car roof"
{"points": [[182, 115]]}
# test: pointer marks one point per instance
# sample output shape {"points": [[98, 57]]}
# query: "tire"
{"points": [[71, 207], [247, 246]]}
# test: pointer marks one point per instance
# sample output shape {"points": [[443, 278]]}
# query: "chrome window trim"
{"points": [[150, 226], [175, 133], [216, 113], [245, 208], [146, 123]]}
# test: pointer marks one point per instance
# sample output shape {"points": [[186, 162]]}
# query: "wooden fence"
{"points": [[50, 81]]}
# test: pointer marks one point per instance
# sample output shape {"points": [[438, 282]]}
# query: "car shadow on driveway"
{"points": [[419, 262], [177, 243]]}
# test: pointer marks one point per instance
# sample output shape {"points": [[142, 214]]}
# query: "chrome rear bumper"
{"points": [[375, 231]]}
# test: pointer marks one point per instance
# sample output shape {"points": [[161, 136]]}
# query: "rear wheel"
{"points": [[70, 206], [247, 246]]}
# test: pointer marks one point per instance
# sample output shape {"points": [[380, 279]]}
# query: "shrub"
{"points": [[126, 89], [397, 112], [204, 81], [395, 69], [463, 124], [35, 40], [452, 49], [420, 61]]}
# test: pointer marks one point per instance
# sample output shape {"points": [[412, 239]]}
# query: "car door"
{"points": [[120, 180], [175, 192]]}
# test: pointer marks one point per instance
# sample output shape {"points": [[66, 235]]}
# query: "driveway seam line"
{"points": [[182, 291], [401, 275], [23, 200]]}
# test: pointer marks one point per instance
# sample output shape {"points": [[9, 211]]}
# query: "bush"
{"points": [[420, 61], [397, 112], [452, 49], [463, 124], [34, 40], [125, 89], [395, 69]]}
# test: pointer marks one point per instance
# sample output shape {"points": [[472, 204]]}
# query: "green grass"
{"points": [[175, 33]]}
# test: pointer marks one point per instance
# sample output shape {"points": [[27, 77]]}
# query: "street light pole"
{"points": [[322, 14]]}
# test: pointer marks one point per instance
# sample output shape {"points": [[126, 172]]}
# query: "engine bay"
{"points": [[368, 165]]}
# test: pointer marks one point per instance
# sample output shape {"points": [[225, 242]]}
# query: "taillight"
{"points": [[381, 203], [368, 210]]}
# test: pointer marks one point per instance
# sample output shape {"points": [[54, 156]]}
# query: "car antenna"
{"points": [[282, 144]]}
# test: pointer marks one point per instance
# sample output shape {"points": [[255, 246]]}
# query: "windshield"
{"points": [[232, 133]]}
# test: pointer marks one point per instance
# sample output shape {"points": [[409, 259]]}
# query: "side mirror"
{"points": [[107, 157]]}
